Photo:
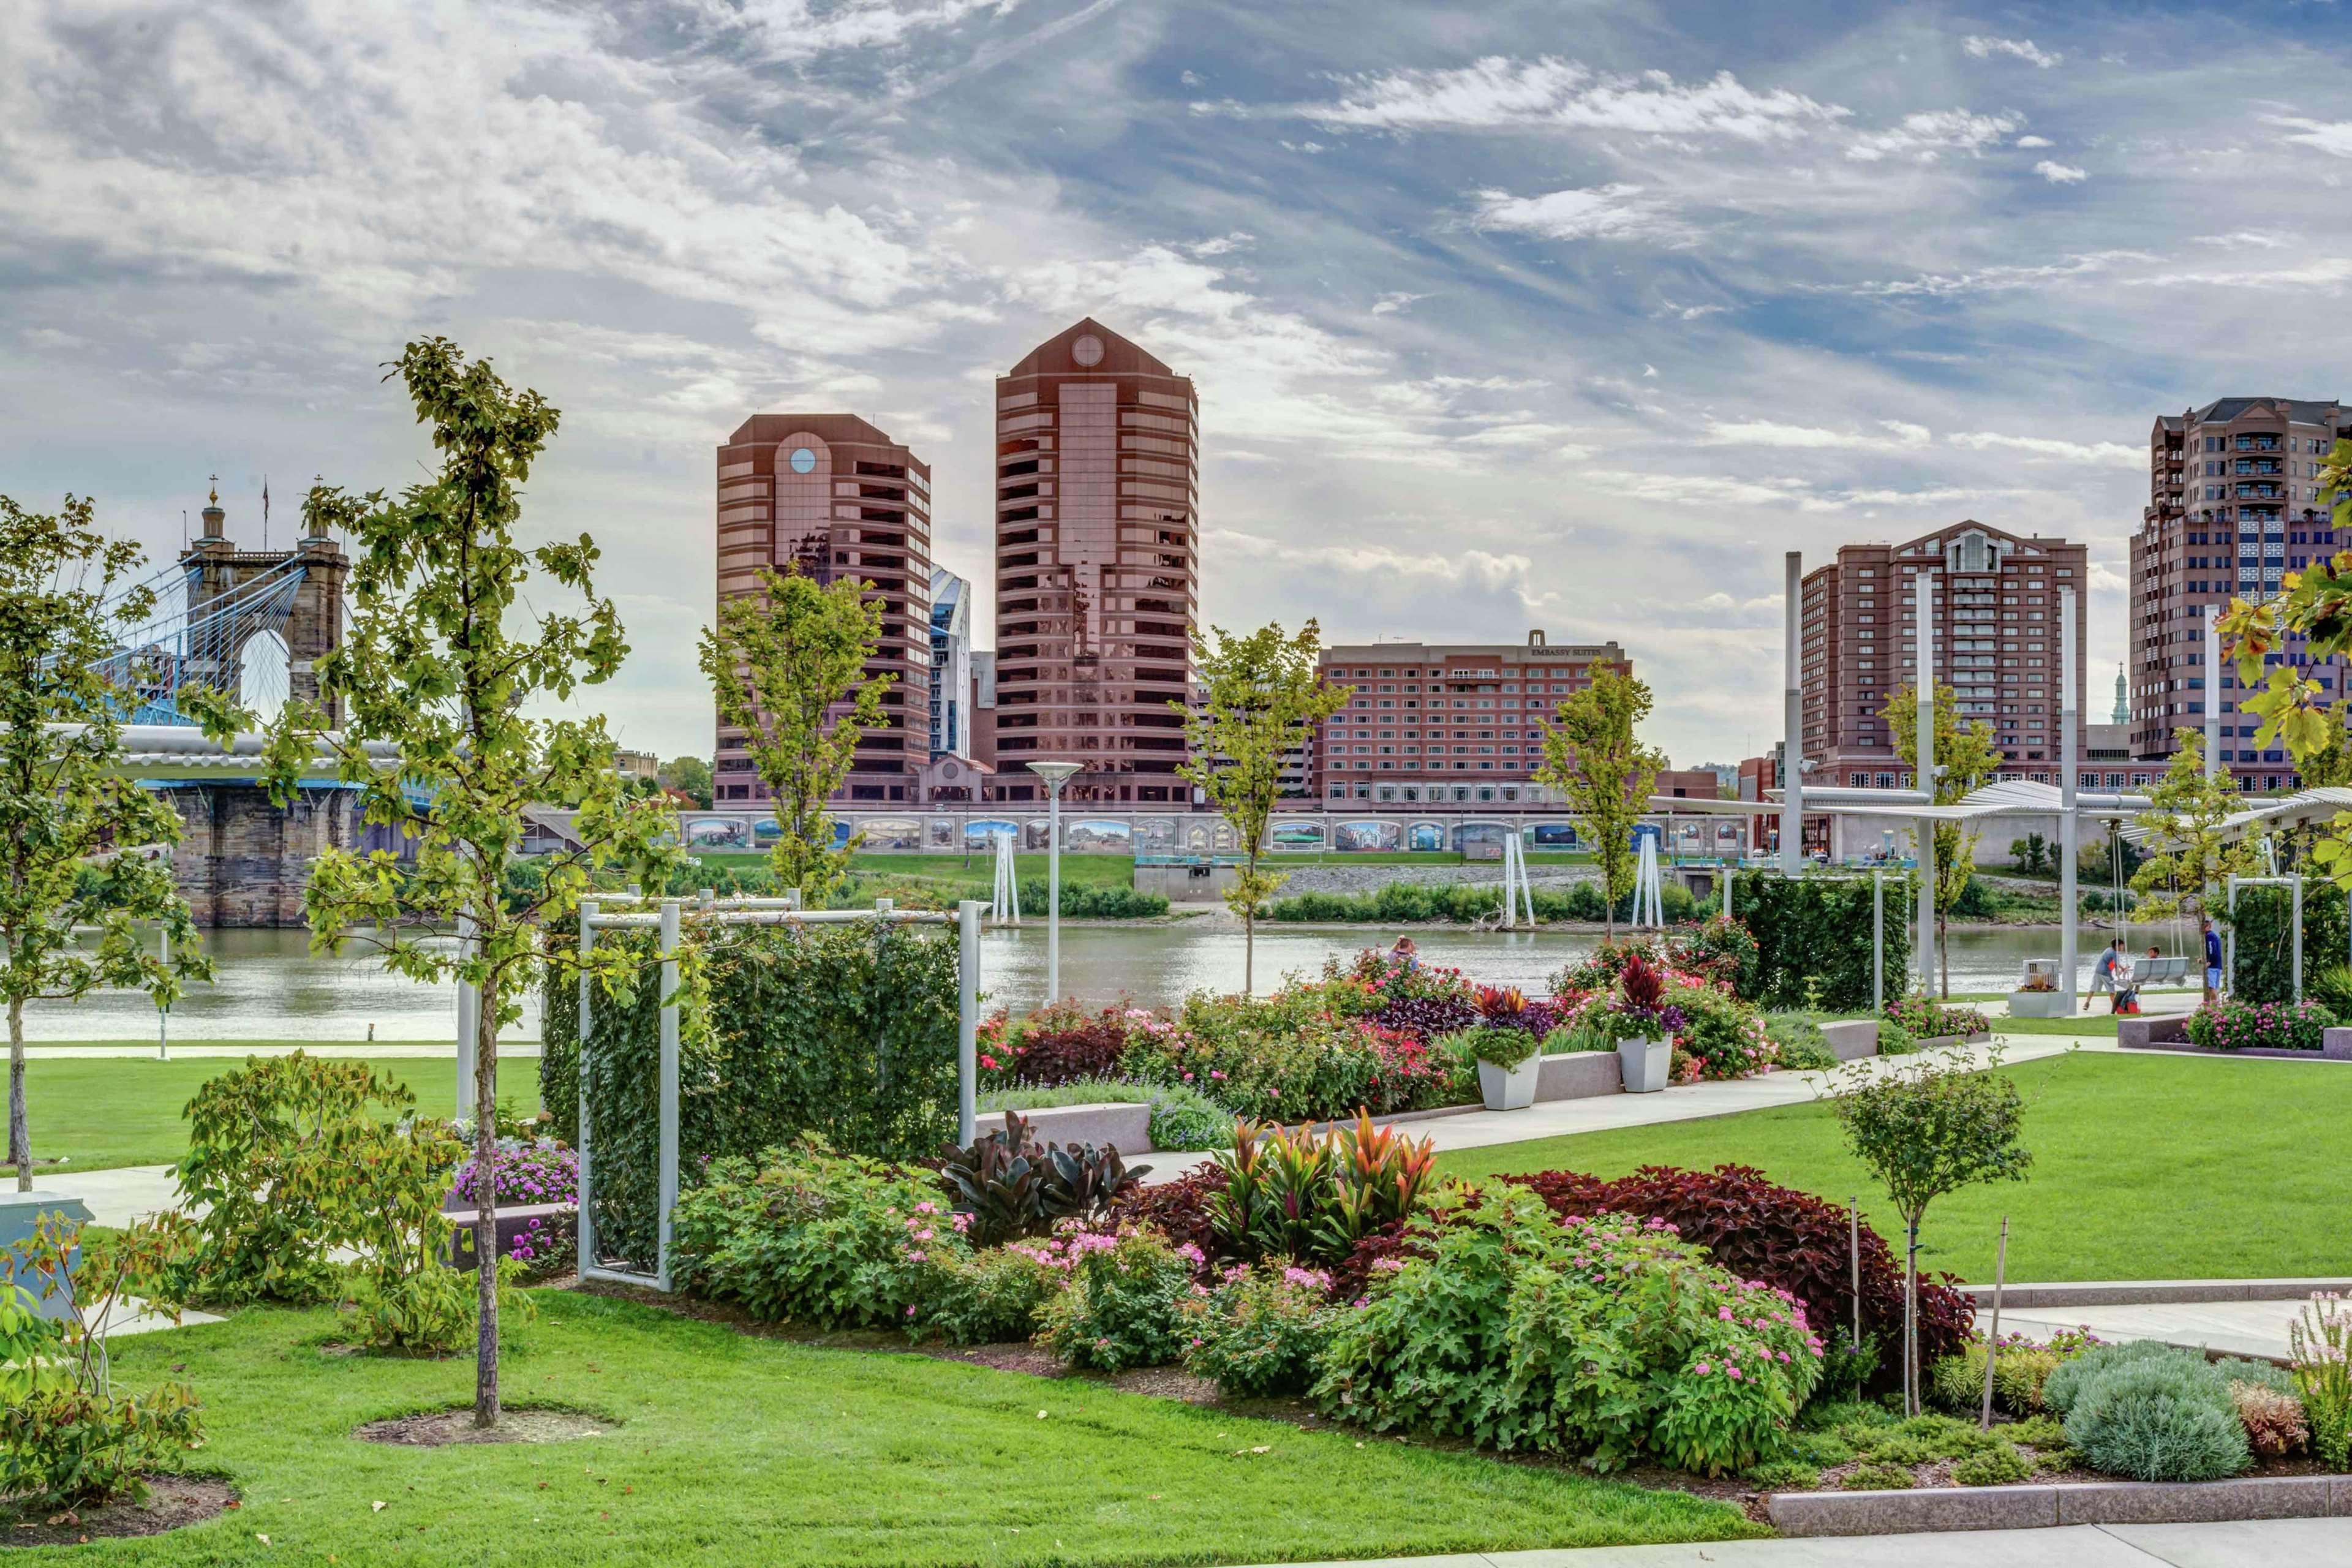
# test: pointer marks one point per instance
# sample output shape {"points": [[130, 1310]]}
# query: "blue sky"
{"points": [[1560, 315]]}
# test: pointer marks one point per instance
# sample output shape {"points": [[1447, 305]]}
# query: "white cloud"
{"points": [[2104, 454], [2033, 142], [1603, 212], [1390, 303], [1497, 92], [2245, 239], [1223, 245], [2059, 173], [1508, 573], [1998, 278], [1770, 433], [1926, 136], [2333, 136], [2017, 48]]}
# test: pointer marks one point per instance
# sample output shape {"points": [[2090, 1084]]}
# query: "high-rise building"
{"points": [[2233, 505], [842, 500], [950, 665], [1097, 563], [1456, 723], [1996, 644]]}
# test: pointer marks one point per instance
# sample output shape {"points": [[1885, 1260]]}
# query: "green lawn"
{"points": [[2099, 1025], [734, 1449], [1090, 870], [2144, 1168], [110, 1112]]}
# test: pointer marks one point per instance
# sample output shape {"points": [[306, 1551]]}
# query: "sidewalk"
{"points": [[2234, 1327], [2268, 1543]]}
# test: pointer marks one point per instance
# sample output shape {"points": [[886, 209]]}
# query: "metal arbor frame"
{"points": [[2293, 885], [783, 912], [1877, 918]]}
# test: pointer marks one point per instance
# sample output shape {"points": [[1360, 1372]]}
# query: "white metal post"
{"points": [[2213, 693], [1926, 609], [470, 1022], [668, 1190], [582, 1188], [968, 1020], [2070, 724], [1792, 719], [1878, 942], [1053, 893], [2294, 891]]}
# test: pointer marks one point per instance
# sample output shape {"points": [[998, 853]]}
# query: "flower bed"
{"points": [[1925, 1018], [2233, 1026]]}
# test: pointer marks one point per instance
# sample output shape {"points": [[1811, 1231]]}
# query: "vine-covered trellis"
{"points": [[765, 1024]]}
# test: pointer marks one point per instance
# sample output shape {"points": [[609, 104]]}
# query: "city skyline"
{"points": [[1491, 324]]}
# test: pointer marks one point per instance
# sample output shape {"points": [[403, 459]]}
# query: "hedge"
{"points": [[1399, 903], [2264, 923], [1813, 938]]}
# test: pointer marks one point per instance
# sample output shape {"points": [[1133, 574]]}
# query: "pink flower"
{"points": [[914, 1254], [1734, 1371], [1702, 1369]]}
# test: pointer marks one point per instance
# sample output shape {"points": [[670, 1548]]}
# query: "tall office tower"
{"points": [[2233, 505], [839, 497], [1098, 563], [1996, 644], [950, 665]]}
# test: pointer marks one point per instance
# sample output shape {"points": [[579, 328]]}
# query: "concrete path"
{"points": [[117, 1198], [2234, 1327], [2269, 1543], [133, 1316]]}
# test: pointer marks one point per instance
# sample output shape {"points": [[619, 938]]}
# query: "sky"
{"points": [[1563, 315]]}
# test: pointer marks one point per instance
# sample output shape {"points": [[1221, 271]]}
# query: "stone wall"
{"points": [[243, 860]]}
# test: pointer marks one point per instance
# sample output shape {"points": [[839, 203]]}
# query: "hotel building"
{"points": [[2233, 505], [1098, 567], [1451, 723], [840, 498], [1995, 641]]}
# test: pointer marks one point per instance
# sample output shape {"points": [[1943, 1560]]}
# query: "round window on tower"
{"points": [[1088, 350], [803, 460]]}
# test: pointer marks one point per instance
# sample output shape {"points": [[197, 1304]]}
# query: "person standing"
{"points": [[2102, 973], [2212, 960]]}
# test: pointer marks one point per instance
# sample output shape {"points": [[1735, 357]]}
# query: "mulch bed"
{"points": [[172, 1502], [441, 1428]]}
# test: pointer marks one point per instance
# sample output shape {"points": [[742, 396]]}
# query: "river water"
{"points": [[269, 987]]}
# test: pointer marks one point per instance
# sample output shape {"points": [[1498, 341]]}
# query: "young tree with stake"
{"points": [[788, 664], [1604, 774], [446, 657], [1927, 1130], [80, 843], [2189, 857], [1264, 691]]}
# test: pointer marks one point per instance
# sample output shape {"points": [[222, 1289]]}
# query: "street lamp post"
{"points": [[1055, 776]]}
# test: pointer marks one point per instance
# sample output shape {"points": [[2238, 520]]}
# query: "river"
{"points": [[267, 987]]}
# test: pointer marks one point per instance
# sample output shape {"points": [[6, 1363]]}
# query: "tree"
{"points": [[788, 664], [2188, 854], [690, 776], [1925, 1132], [1966, 761], [445, 656], [2031, 853], [1604, 774], [1261, 692], [80, 843]]}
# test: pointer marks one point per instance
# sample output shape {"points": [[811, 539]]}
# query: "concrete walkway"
{"points": [[2234, 1327], [2267, 1544], [117, 1197]]}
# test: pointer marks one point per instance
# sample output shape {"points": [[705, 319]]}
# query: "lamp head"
{"points": [[1056, 774]]}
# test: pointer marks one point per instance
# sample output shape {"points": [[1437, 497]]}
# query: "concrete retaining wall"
{"points": [[1852, 1038], [2142, 1031], [1581, 1075], [2048, 1507], [1127, 1127]]}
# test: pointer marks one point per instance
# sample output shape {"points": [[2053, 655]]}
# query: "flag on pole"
{"points": [[265, 511]]}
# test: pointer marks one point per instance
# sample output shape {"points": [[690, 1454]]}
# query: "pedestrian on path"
{"points": [[2212, 960], [2104, 976]]}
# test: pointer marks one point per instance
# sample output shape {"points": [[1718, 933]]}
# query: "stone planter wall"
{"points": [[1852, 1038], [1581, 1075], [1125, 1126], [2131, 1033], [2051, 1506]]}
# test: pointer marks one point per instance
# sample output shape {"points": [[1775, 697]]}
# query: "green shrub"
{"points": [[1895, 1040], [1005, 1185], [1803, 1048], [1599, 1337], [1722, 1034], [1783, 1476], [1291, 1056], [2235, 1025], [2035, 1432], [1956, 1382], [1304, 1195], [1259, 1333], [1876, 1477], [989, 1296], [1124, 1306], [1093, 900], [290, 1159], [1814, 938], [2158, 1418], [2065, 1384], [2262, 968], [1999, 1466], [1182, 1118], [803, 1235]]}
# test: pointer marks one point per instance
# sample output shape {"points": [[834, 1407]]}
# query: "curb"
{"points": [[2154, 1292], [2053, 1505]]}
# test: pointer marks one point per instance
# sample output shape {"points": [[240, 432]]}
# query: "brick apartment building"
{"points": [[840, 498], [1996, 643], [1453, 723], [2233, 505], [1098, 567]]}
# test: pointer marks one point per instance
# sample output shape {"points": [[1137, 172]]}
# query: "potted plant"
{"points": [[1645, 1023], [1509, 1062]]}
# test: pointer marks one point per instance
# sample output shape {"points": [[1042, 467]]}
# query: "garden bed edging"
{"points": [[2051, 1505], [1851, 1039]]}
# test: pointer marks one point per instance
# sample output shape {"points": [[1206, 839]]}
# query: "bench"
{"points": [[2148, 971]]}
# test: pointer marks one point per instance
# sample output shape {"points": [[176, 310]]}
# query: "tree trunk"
{"points": [[1911, 1320], [20, 1135], [486, 1206]]}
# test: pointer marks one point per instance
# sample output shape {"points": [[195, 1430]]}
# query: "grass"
{"points": [[734, 1449], [1090, 870], [105, 1112], [2100, 1026], [2144, 1168]]}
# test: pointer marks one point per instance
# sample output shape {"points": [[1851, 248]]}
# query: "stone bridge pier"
{"points": [[244, 860]]}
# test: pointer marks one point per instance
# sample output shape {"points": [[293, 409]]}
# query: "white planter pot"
{"points": [[1511, 1088], [1647, 1064]]}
